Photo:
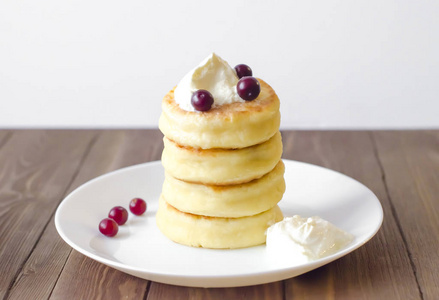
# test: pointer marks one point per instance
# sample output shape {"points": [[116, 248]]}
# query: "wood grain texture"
{"points": [[39, 168], [84, 278], [5, 135], [35, 172], [410, 161], [42, 269], [380, 269], [272, 291]]}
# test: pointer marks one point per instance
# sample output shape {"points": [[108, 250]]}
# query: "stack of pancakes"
{"points": [[223, 172]]}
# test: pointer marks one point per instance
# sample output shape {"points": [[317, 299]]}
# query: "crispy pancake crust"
{"points": [[230, 201], [235, 125], [221, 166], [213, 232]]}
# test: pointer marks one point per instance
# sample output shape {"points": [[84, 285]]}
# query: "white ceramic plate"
{"points": [[141, 250]]}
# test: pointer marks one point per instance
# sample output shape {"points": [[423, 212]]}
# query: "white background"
{"points": [[334, 64]]}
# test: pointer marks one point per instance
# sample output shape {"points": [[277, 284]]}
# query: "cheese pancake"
{"points": [[231, 201], [221, 166], [213, 232], [229, 126]]}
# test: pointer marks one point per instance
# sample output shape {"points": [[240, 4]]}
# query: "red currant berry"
{"points": [[118, 214], [248, 88], [137, 206], [108, 227], [243, 70], [202, 100]]}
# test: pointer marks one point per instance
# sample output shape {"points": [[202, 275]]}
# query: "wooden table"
{"points": [[38, 168]]}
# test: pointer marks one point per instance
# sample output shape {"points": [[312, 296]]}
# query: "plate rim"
{"points": [[242, 279]]}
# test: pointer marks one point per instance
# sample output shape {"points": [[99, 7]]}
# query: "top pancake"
{"points": [[230, 126]]}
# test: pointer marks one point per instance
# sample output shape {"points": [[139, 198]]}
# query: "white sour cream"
{"points": [[212, 74], [306, 239]]}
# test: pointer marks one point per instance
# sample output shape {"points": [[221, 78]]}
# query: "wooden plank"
{"points": [[42, 269], [39, 275], [36, 168], [410, 161], [5, 136], [381, 269], [272, 291], [84, 278], [44, 266]]}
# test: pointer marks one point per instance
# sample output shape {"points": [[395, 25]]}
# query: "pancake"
{"points": [[221, 166], [230, 126], [226, 201], [212, 232]]}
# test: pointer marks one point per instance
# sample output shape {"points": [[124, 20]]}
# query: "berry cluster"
{"points": [[248, 88], [119, 215]]}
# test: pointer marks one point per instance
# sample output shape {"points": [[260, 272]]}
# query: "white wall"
{"points": [[106, 63]]}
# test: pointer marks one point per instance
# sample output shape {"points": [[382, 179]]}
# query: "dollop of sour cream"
{"points": [[214, 75], [306, 239]]}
